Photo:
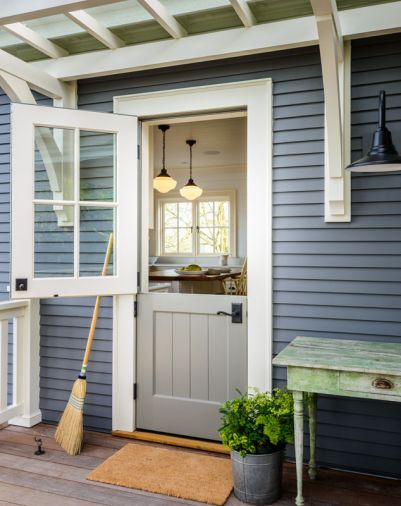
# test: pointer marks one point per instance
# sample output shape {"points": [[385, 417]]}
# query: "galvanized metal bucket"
{"points": [[257, 478]]}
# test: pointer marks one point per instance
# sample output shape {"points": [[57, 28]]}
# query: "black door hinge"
{"points": [[135, 391], [139, 151], [135, 309]]}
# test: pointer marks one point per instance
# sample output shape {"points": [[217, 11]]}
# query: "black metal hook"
{"points": [[38, 441]]}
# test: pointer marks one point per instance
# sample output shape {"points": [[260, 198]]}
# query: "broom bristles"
{"points": [[70, 430]]}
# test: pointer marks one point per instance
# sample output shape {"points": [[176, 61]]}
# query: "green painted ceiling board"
{"points": [[25, 52], [146, 31], [78, 43], [354, 4], [210, 20], [274, 10]]}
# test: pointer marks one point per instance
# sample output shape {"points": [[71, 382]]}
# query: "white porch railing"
{"points": [[19, 405]]}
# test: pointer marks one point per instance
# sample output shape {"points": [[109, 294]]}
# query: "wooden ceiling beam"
{"points": [[164, 18], [96, 29], [35, 40], [16, 11], [243, 12]]}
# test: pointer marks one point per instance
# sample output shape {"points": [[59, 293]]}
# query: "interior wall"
{"points": [[210, 179]]}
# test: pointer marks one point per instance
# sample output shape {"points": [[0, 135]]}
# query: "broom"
{"points": [[70, 431]]}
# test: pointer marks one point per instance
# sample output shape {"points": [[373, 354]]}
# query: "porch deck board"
{"points": [[56, 478]]}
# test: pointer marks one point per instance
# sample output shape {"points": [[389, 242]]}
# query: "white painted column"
{"points": [[27, 337]]}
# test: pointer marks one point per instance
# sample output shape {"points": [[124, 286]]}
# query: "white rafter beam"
{"points": [[35, 40], [328, 9], [36, 78], [243, 12], [164, 18], [16, 89], [14, 11], [96, 29], [261, 38], [332, 61]]}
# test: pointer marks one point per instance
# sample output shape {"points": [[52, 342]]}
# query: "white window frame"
{"points": [[207, 196], [124, 280]]}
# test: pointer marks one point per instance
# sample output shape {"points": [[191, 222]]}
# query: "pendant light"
{"points": [[383, 156], [191, 191], [164, 182]]}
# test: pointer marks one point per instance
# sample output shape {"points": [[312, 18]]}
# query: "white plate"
{"points": [[191, 273]]}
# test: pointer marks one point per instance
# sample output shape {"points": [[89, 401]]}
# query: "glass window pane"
{"points": [[206, 240], [54, 241], [185, 240], [185, 214], [171, 240], [54, 163], [97, 166], [206, 212], [96, 225], [221, 240], [221, 209], [170, 214]]}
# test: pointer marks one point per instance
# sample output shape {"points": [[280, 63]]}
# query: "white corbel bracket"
{"points": [[335, 61]]}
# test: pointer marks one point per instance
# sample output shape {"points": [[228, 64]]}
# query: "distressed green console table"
{"points": [[336, 367]]}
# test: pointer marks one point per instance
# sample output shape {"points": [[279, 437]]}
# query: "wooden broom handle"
{"points": [[97, 307]]}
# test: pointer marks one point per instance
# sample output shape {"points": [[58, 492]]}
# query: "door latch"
{"points": [[236, 312], [21, 285]]}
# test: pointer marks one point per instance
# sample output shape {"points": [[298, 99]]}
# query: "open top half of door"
{"points": [[74, 182]]}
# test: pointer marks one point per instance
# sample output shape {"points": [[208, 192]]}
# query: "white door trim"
{"points": [[254, 96]]}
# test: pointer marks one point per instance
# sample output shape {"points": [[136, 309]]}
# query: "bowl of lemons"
{"points": [[191, 270]]}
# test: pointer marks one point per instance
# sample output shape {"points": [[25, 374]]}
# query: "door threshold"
{"points": [[166, 439]]}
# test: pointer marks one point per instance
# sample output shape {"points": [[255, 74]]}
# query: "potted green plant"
{"points": [[256, 429]]}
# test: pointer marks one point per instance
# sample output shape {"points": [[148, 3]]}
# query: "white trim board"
{"points": [[262, 38], [255, 97]]}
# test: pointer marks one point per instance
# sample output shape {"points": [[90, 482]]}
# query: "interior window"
{"points": [[200, 228]]}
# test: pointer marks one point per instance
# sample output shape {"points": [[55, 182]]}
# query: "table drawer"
{"points": [[370, 383]]}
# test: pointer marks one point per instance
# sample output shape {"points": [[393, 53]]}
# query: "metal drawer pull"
{"points": [[383, 383]]}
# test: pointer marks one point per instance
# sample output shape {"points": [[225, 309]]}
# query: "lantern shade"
{"points": [[382, 157], [191, 191], [164, 183]]}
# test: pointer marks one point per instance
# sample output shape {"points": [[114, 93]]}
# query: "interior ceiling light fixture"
{"points": [[164, 182], [383, 156], [191, 191]]}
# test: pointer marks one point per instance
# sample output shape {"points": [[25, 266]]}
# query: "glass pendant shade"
{"points": [[382, 157], [163, 182], [191, 190]]}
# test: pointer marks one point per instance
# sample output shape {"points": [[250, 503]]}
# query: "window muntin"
{"points": [[205, 227], [75, 201]]}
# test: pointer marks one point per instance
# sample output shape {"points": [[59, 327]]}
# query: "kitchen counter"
{"points": [[171, 275]]}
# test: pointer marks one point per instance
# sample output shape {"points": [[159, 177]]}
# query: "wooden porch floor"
{"points": [[58, 479]]}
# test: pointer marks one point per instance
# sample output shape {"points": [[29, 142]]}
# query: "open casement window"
{"points": [[74, 182]]}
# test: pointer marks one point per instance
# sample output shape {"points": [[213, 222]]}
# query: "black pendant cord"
{"points": [[190, 143], [164, 129], [164, 151], [190, 161]]}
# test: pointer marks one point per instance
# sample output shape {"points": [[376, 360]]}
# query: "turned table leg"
{"points": [[312, 401], [299, 442]]}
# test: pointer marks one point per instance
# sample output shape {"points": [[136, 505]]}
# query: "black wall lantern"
{"points": [[383, 156]]}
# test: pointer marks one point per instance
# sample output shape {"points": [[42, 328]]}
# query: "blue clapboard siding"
{"points": [[334, 280]]}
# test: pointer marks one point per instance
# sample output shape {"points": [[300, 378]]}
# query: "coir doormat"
{"points": [[169, 471]]}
